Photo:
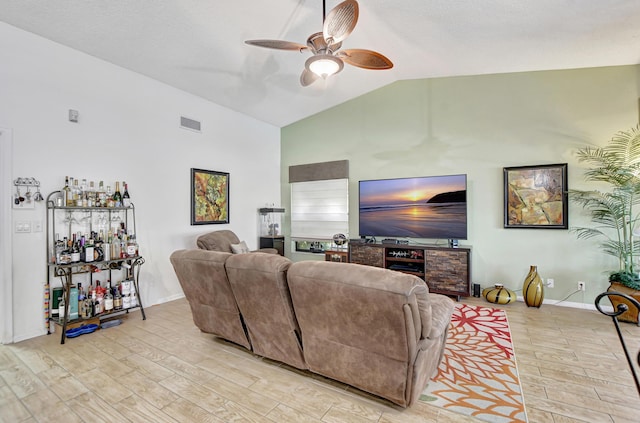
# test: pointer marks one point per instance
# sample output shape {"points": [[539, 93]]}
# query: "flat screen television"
{"points": [[423, 207]]}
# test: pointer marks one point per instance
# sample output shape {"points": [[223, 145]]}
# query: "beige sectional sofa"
{"points": [[375, 329]]}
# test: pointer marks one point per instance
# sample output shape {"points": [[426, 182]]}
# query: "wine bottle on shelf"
{"points": [[117, 298], [66, 192], [117, 196], [126, 199], [108, 299]]}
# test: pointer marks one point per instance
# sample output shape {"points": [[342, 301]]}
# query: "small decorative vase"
{"points": [[499, 294], [532, 289]]}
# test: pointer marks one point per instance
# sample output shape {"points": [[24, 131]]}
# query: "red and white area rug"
{"points": [[478, 375]]}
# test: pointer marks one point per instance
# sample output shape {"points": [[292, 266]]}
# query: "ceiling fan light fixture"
{"points": [[324, 65]]}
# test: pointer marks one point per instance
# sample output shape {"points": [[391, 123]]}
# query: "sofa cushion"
{"points": [[240, 248]]}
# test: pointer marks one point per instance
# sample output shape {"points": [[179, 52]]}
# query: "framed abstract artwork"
{"points": [[209, 197], [536, 197]]}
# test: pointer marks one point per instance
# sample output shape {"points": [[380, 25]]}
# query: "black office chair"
{"points": [[621, 308]]}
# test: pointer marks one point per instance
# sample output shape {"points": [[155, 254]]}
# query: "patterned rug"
{"points": [[478, 375]]}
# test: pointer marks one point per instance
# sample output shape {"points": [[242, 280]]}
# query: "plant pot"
{"points": [[630, 315]]}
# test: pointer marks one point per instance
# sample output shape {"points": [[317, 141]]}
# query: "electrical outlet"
{"points": [[551, 283], [582, 286]]}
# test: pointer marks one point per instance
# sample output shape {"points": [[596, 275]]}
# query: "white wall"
{"points": [[477, 125], [128, 130]]}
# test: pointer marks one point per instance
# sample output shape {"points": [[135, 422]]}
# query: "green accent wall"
{"points": [[478, 125]]}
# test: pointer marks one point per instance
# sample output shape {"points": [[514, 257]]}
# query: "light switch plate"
{"points": [[23, 226]]}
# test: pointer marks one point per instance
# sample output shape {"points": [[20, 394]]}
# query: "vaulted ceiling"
{"points": [[198, 46]]}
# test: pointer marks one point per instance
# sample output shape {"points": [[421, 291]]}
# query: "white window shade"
{"points": [[319, 209]]}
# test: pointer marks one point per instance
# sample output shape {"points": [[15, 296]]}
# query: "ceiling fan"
{"points": [[327, 57]]}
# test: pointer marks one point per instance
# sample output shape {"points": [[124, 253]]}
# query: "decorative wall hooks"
{"points": [[26, 200]]}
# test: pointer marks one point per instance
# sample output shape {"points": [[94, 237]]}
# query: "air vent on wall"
{"points": [[190, 124]]}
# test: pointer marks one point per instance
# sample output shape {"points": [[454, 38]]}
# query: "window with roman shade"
{"points": [[319, 200]]}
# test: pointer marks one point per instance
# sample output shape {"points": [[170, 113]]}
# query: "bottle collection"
{"points": [[91, 235], [80, 194], [95, 246], [97, 300]]}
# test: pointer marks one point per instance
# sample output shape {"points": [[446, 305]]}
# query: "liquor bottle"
{"points": [[89, 251], [108, 299], [61, 308], [59, 248], [109, 197], [126, 199], [101, 196], [81, 293], [117, 196], [87, 307], [83, 194], [92, 199], [75, 191], [99, 301], [66, 193], [117, 298], [75, 250], [73, 303], [115, 248], [132, 246]]}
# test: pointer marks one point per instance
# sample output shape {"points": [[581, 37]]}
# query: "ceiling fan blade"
{"points": [[365, 59], [277, 44], [307, 78], [340, 21]]}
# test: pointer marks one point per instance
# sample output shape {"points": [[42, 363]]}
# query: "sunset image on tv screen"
{"points": [[422, 207]]}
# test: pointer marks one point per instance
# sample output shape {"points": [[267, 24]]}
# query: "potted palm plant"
{"points": [[614, 212]]}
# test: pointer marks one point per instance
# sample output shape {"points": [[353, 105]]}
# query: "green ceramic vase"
{"points": [[532, 289]]}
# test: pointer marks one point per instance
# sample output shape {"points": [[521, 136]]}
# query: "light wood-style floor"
{"points": [[164, 370]]}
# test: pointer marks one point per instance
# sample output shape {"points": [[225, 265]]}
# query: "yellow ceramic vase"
{"points": [[532, 289], [498, 294]]}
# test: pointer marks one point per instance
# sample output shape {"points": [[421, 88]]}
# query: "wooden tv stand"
{"points": [[446, 270]]}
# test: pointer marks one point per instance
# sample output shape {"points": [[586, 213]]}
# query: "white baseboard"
{"points": [[571, 304]]}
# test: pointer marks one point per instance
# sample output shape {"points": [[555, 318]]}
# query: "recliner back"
{"points": [[360, 324], [218, 241], [259, 283], [203, 278]]}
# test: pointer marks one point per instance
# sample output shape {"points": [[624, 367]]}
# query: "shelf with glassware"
{"points": [[98, 251]]}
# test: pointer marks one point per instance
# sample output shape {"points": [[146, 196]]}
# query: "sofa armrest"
{"points": [[441, 311], [266, 250]]}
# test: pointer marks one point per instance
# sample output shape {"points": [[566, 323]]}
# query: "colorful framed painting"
{"points": [[536, 197], [209, 197]]}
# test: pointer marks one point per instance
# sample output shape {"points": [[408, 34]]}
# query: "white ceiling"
{"points": [[197, 45]]}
